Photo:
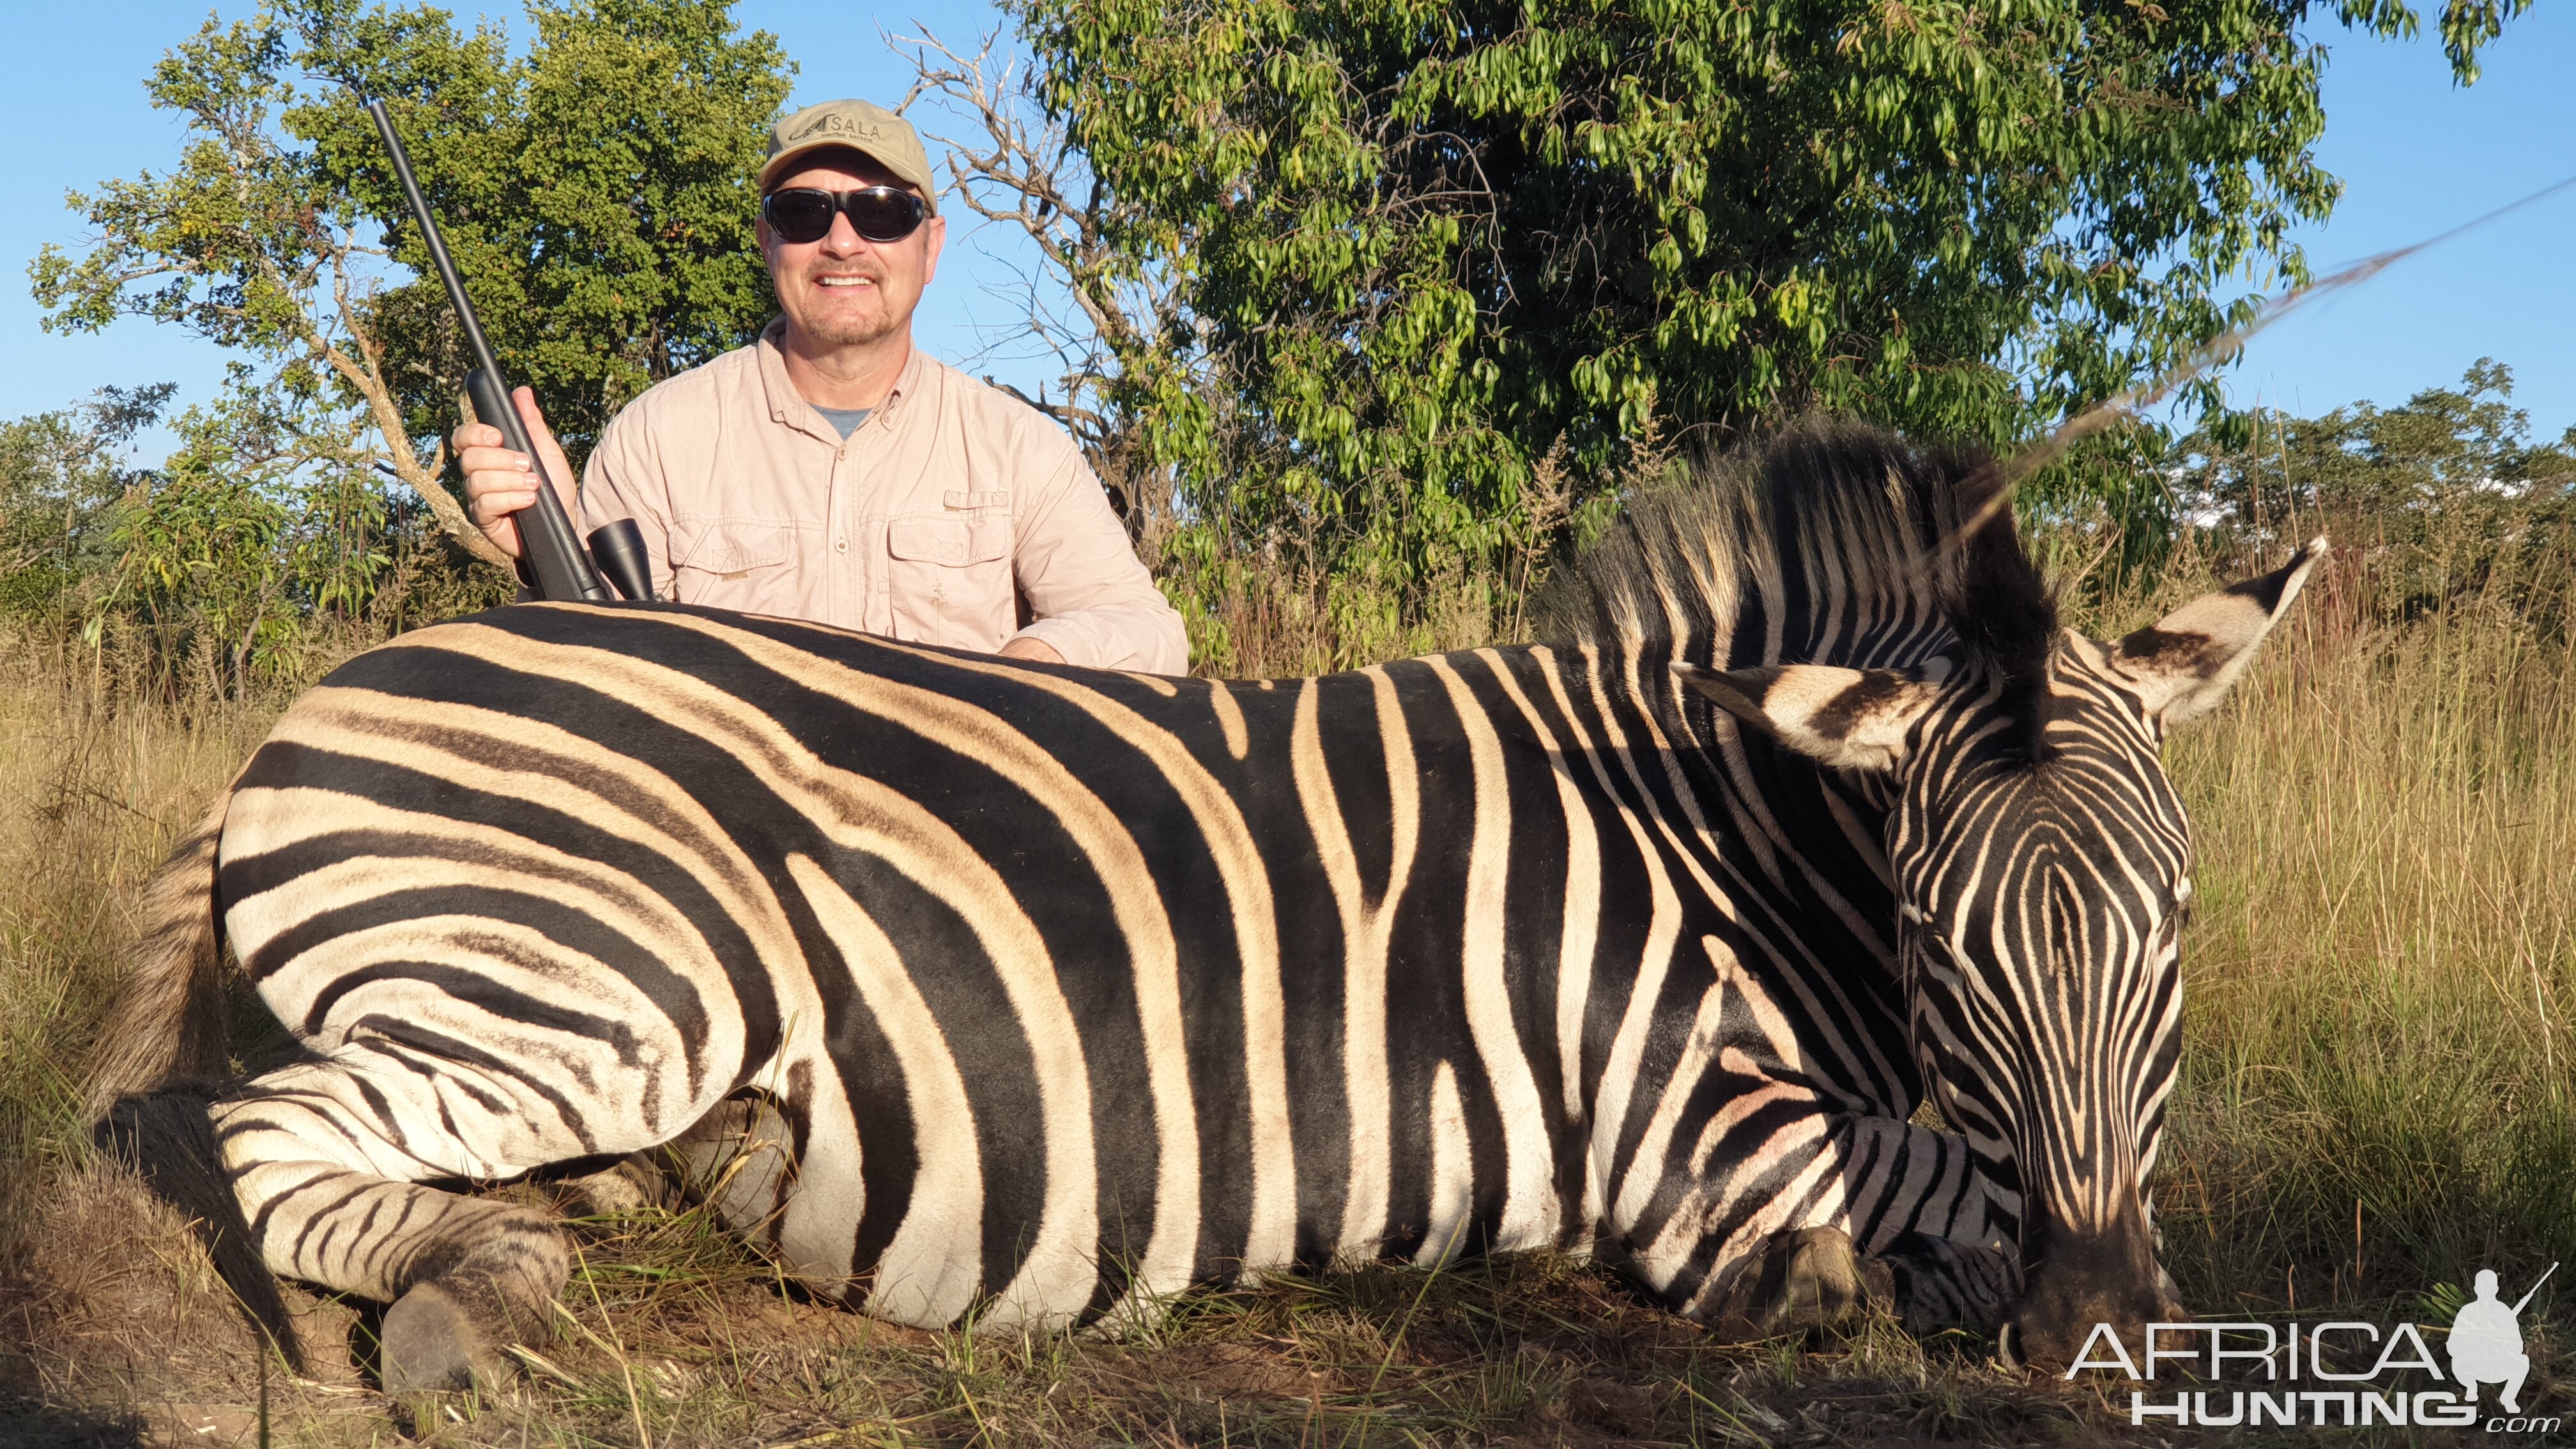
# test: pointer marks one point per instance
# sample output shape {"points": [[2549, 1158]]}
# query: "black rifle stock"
{"points": [[563, 568]]}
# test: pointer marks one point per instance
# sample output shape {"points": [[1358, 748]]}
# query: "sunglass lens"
{"points": [[883, 214], [800, 214]]}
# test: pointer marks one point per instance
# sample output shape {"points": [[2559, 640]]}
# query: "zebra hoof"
{"points": [[1802, 1279], [491, 1286], [431, 1341]]}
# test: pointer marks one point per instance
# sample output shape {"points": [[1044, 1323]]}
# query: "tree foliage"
{"points": [[62, 475], [1412, 245], [596, 189], [259, 522], [259, 549]]}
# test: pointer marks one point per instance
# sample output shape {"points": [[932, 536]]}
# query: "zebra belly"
{"points": [[981, 1172]]}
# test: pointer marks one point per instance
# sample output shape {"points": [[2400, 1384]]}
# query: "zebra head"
{"points": [[2041, 863]]}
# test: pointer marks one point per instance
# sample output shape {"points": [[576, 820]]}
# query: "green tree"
{"points": [[62, 475], [1403, 249], [596, 190], [264, 526], [2445, 498], [201, 571]]}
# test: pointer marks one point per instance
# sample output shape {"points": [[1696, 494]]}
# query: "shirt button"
{"points": [[840, 545]]}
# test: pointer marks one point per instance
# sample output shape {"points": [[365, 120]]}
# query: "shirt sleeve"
{"points": [[1094, 602], [623, 479]]}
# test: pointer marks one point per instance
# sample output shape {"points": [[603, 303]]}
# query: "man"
{"points": [[829, 471]]}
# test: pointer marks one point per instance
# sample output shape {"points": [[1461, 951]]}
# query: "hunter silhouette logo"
{"points": [[2311, 1374], [2486, 1342]]}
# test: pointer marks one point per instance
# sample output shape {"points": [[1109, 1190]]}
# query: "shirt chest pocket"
{"points": [[949, 579], [735, 563]]}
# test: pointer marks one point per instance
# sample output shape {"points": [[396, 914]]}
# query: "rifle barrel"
{"points": [[563, 568], [2535, 1288]]}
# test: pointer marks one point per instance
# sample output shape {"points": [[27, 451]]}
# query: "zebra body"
{"points": [[1166, 978], [1065, 990]]}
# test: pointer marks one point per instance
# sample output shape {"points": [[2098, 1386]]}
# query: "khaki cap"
{"points": [[860, 126]]}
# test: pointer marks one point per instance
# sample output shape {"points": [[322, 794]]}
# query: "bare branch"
{"points": [[1020, 170]]}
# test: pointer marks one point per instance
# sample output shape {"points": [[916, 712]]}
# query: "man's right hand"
{"points": [[499, 481]]}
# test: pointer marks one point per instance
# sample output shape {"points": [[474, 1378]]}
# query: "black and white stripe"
{"points": [[1069, 990]]}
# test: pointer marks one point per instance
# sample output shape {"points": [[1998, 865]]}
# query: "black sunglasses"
{"points": [[877, 213]]}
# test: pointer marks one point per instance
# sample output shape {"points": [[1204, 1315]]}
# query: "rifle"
{"points": [[565, 571]]}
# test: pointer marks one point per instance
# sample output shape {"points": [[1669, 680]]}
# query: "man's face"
{"points": [[845, 290]]}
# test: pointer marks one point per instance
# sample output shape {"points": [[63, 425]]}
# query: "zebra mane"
{"points": [[1823, 545]]}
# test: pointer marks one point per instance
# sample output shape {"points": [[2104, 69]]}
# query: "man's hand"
{"points": [[1037, 650], [499, 481]]}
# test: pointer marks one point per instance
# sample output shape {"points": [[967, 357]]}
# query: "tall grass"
{"points": [[94, 788], [2379, 1090]]}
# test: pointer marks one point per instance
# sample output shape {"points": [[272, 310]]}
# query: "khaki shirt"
{"points": [[953, 502]]}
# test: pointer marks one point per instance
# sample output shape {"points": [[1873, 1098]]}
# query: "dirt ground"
{"points": [[115, 1332]]}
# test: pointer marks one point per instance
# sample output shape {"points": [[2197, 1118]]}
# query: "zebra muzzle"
{"points": [[2080, 1282]]}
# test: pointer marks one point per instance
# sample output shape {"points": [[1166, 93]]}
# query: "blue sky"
{"points": [[2418, 156]]}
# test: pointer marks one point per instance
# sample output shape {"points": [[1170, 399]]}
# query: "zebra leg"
{"points": [[327, 1159], [740, 1161], [1922, 1206], [1867, 1213], [1941, 1283], [634, 1183], [1795, 1280], [1817, 1277]]}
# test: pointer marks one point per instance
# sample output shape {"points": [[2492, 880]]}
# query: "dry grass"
{"points": [[672, 1335], [2378, 1096], [91, 797], [2384, 948], [1260, 619]]}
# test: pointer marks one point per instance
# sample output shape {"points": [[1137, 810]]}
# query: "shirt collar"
{"points": [[787, 406]]}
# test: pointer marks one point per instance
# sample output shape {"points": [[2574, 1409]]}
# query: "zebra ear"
{"points": [[2183, 664], [1852, 719]]}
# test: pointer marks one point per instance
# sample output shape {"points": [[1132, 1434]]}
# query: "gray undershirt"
{"points": [[846, 419]]}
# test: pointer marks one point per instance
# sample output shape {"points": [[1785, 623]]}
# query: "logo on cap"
{"points": [[836, 124]]}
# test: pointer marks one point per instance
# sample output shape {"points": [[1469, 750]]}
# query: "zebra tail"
{"points": [[168, 1023], [168, 1139], [163, 1041]]}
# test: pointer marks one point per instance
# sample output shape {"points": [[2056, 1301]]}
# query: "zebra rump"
{"points": [[984, 992]]}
